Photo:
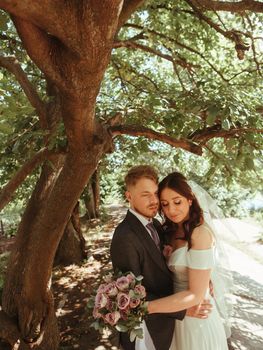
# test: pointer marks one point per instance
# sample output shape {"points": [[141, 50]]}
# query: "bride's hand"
{"points": [[200, 311], [167, 251]]}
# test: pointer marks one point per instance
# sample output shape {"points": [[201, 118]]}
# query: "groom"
{"points": [[136, 246]]}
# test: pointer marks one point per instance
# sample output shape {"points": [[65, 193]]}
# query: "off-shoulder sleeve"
{"points": [[200, 259]]}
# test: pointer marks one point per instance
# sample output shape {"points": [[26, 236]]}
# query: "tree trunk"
{"points": [[71, 249], [71, 44], [96, 191], [27, 292], [92, 197], [26, 296]]}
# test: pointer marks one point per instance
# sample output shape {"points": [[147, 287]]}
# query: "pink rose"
{"points": [[112, 317], [101, 300], [110, 305], [101, 288], [123, 301], [131, 277], [139, 289], [111, 289], [134, 302], [122, 283]]}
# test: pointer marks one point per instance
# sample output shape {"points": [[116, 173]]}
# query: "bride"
{"points": [[193, 261]]}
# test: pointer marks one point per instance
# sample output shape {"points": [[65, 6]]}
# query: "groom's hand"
{"points": [[167, 251], [200, 311]]}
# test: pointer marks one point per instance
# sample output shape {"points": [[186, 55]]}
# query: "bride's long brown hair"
{"points": [[178, 183]]}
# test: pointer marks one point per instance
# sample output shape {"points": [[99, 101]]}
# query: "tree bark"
{"points": [[26, 296], [27, 292], [71, 249], [71, 44], [92, 197]]}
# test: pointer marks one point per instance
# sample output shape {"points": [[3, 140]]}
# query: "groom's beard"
{"points": [[148, 212]]}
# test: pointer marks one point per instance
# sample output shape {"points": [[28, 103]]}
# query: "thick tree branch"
{"points": [[207, 134], [129, 6], [12, 65], [47, 15], [133, 45], [176, 42], [135, 130], [41, 47], [67, 20], [231, 6], [75, 53], [232, 35], [8, 190], [206, 19]]}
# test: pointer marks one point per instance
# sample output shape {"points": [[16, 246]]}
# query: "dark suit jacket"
{"points": [[132, 249]]}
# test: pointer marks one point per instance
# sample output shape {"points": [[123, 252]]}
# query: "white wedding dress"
{"points": [[195, 333]]}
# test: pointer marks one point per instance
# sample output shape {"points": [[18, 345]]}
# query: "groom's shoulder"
{"points": [[127, 227], [123, 234], [123, 224]]}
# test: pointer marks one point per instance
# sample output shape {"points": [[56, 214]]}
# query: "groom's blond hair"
{"points": [[138, 172]]}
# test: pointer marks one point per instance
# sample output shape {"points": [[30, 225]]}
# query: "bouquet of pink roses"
{"points": [[120, 304]]}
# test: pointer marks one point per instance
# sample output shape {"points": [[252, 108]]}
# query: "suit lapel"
{"points": [[143, 235]]}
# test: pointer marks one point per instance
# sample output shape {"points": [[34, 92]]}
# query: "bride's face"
{"points": [[174, 206]]}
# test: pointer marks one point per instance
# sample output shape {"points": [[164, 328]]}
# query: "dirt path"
{"points": [[73, 285], [247, 320]]}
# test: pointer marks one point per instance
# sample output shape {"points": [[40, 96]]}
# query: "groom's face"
{"points": [[143, 197]]}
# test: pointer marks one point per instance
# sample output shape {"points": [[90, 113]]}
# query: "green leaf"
{"points": [[231, 143], [226, 124], [213, 112], [5, 128], [210, 119], [16, 146], [249, 163], [138, 332], [249, 137], [121, 328], [90, 303], [195, 109], [131, 293], [139, 278], [95, 325], [3, 21]]}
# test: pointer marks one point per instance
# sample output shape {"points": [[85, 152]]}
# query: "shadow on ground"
{"points": [[247, 320], [73, 286]]}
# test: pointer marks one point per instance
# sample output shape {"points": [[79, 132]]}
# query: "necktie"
{"points": [[154, 234]]}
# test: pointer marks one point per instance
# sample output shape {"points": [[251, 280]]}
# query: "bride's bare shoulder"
{"points": [[202, 237]]}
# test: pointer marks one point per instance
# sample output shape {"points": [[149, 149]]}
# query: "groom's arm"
{"points": [[125, 255]]}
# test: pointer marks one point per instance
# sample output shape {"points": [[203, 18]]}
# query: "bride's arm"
{"points": [[198, 281]]}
